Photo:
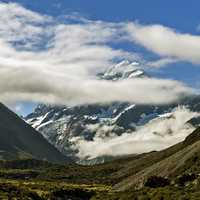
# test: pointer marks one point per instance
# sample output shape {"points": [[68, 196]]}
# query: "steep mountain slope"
{"points": [[20, 140], [184, 160], [65, 126]]}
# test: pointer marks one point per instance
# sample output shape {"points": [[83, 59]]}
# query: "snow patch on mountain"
{"points": [[121, 113], [124, 70]]}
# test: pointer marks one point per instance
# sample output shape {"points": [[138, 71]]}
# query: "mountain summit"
{"points": [[124, 70]]}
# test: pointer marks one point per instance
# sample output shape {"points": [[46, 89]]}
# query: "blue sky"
{"points": [[181, 15]]}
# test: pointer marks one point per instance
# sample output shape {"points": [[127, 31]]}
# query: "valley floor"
{"points": [[44, 190], [38, 180]]}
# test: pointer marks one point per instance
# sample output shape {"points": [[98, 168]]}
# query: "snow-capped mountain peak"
{"points": [[124, 70]]}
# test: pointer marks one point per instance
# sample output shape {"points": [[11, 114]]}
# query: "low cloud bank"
{"points": [[54, 89], [158, 134]]}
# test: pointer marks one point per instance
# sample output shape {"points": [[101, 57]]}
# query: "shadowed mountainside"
{"points": [[20, 140]]}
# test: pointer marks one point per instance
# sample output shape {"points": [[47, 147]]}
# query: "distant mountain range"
{"points": [[62, 125], [18, 140]]}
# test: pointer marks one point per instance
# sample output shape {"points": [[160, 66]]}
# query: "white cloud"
{"points": [[63, 69], [161, 62], [43, 87], [165, 41], [158, 134], [18, 24]]}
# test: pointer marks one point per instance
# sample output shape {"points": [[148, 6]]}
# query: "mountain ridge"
{"points": [[20, 140]]}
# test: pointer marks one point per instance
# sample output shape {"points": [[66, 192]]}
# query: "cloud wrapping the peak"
{"points": [[158, 134], [39, 87]]}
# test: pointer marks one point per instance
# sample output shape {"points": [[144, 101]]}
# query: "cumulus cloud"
{"points": [[158, 134], [165, 41], [45, 60]]}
